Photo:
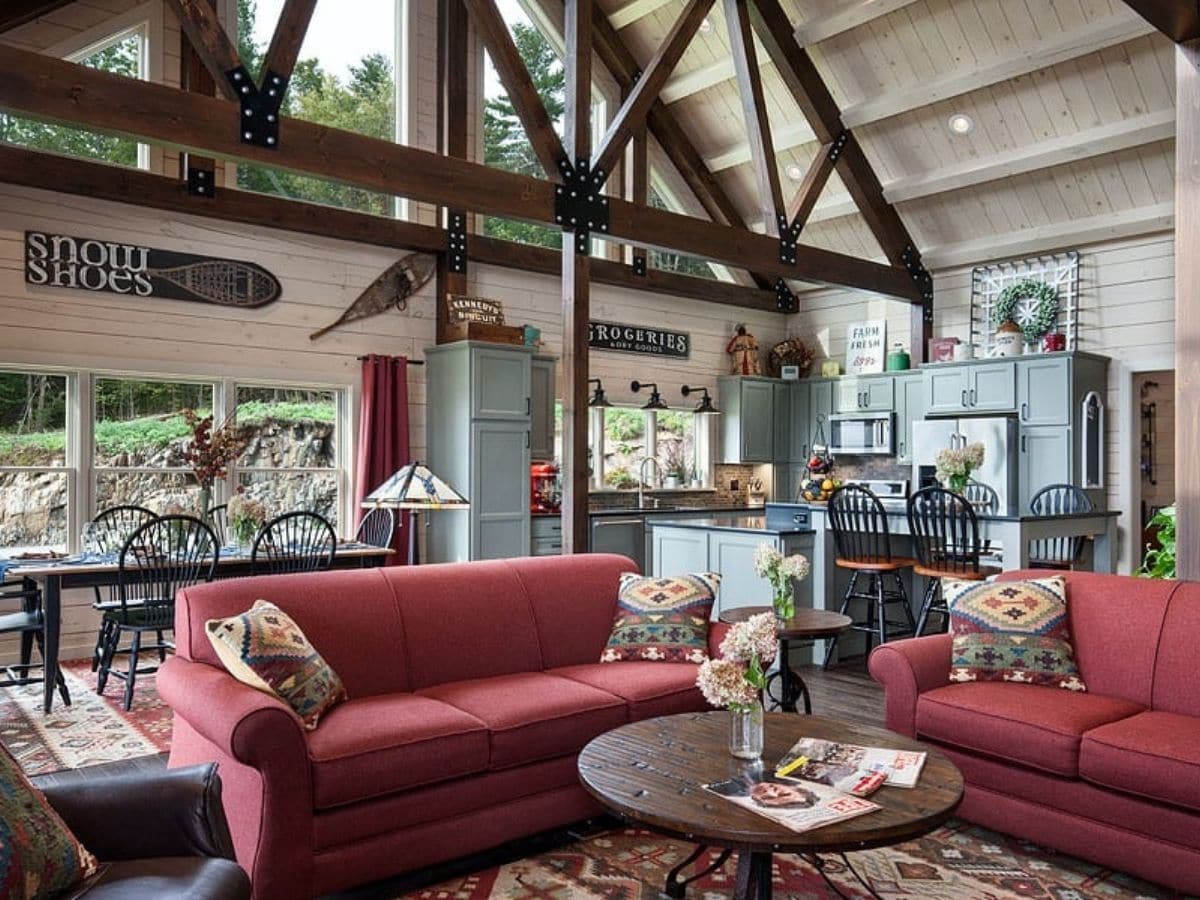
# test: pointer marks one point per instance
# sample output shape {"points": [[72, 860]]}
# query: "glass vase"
{"points": [[958, 483], [784, 602], [746, 732]]}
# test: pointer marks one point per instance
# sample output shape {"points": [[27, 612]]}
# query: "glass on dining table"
{"points": [[89, 540]]}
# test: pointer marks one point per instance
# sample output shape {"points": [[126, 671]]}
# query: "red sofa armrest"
{"points": [[249, 725], [716, 634], [907, 669]]}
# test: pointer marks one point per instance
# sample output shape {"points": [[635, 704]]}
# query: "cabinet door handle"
{"points": [[527, 440], [1024, 412], [972, 396], [528, 406], [901, 453], [1024, 448], [964, 397]]}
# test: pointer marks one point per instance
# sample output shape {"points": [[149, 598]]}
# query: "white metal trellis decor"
{"points": [[1059, 270]]}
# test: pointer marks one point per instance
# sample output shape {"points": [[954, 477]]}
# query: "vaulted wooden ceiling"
{"points": [[1072, 104]]}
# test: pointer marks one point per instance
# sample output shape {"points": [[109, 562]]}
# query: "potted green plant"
{"points": [[1160, 560], [675, 465]]}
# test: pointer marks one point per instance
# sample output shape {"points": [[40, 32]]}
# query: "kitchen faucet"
{"points": [[642, 478]]}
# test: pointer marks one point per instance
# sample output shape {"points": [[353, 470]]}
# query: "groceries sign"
{"points": [[639, 339], [91, 264]]}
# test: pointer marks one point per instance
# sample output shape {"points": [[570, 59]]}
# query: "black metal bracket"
{"points": [[639, 265], [579, 206], [785, 299], [259, 122], [456, 241], [201, 182], [838, 145], [918, 272]]}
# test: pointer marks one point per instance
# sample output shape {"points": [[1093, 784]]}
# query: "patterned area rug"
{"points": [[957, 862], [91, 730]]}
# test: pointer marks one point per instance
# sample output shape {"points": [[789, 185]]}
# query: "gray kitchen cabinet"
{"points": [[864, 394], [625, 536], [541, 415], [1046, 458], [545, 535], [731, 553], [970, 388], [500, 383], [500, 504], [781, 424], [678, 551], [910, 407], [820, 408], [787, 478], [800, 421], [1044, 390], [477, 443], [748, 419]]}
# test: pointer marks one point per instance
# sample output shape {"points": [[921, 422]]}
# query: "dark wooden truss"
{"points": [[242, 125]]}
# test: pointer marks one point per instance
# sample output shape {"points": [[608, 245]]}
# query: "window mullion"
{"points": [[81, 449]]}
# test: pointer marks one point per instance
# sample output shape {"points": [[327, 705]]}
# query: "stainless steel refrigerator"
{"points": [[999, 437]]}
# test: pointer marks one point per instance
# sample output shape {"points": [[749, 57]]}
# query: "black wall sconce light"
{"points": [[598, 399], [705, 407], [656, 401]]}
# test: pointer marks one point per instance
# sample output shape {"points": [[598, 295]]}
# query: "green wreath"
{"points": [[1034, 320]]}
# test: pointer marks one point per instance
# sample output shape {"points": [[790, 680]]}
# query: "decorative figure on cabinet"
{"points": [[743, 348], [391, 289]]}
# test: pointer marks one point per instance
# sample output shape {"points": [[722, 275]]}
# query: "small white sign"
{"points": [[865, 347]]}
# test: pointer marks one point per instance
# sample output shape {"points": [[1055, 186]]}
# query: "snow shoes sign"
{"points": [[88, 264]]}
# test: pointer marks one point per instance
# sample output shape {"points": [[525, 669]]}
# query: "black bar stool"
{"points": [[864, 546], [945, 533], [1064, 552]]}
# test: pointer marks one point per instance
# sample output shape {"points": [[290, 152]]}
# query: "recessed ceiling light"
{"points": [[705, 26], [793, 171], [960, 123]]}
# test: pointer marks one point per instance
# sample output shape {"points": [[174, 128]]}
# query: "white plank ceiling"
{"points": [[1072, 103]]}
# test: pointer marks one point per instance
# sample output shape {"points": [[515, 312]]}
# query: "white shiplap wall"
{"points": [[1127, 291]]}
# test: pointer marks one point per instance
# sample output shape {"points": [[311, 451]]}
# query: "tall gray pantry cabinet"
{"points": [[478, 418]]}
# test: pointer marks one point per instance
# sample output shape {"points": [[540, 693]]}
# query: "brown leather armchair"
{"points": [[158, 833]]}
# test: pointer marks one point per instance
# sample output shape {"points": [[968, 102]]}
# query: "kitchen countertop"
{"points": [[751, 523], [669, 510], [989, 517]]}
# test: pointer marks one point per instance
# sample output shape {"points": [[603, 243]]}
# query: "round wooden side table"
{"points": [[805, 625]]}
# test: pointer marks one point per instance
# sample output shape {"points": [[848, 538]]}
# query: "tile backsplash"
{"points": [[719, 496]]}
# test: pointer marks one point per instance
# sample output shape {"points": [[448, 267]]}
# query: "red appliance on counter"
{"points": [[545, 490]]}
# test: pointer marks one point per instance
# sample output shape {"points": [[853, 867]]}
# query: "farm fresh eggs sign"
{"points": [[91, 264], [864, 347]]}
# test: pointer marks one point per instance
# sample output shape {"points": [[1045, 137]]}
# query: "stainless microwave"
{"points": [[862, 434]]}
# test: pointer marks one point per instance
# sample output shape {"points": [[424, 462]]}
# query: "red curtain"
{"points": [[383, 437]]}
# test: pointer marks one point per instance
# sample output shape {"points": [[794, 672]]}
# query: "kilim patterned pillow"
{"points": [[265, 649], [664, 619], [39, 857], [1012, 631]]}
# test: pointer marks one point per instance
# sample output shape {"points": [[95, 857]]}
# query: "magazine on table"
{"points": [[795, 804], [849, 767]]}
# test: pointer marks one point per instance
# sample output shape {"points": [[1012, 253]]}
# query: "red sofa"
{"points": [[1111, 775], [472, 689]]}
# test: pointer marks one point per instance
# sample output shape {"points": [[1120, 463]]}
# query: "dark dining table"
{"points": [[53, 576]]}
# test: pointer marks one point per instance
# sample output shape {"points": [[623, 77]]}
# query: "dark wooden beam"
{"points": [[55, 90], [576, 285], [194, 77], [1187, 312], [1177, 19], [678, 147], [453, 112], [83, 178], [19, 12], [199, 22], [522, 92], [754, 111], [639, 187], [644, 92], [814, 182], [288, 38]]}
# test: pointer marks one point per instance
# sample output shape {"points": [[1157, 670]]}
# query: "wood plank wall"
{"points": [[1127, 290]]}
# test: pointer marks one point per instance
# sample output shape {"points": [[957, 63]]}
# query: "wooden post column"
{"points": [[576, 284], [452, 131], [1187, 309]]}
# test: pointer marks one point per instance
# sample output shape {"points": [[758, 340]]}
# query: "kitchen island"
{"points": [[726, 544]]}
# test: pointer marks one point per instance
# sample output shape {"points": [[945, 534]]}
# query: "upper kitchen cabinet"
{"points": [[865, 394], [781, 413], [983, 387], [1044, 390], [748, 419], [500, 382], [910, 407], [541, 414]]}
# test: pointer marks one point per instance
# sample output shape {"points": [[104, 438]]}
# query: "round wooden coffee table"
{"points": [[805, 625], [653, 772]]}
